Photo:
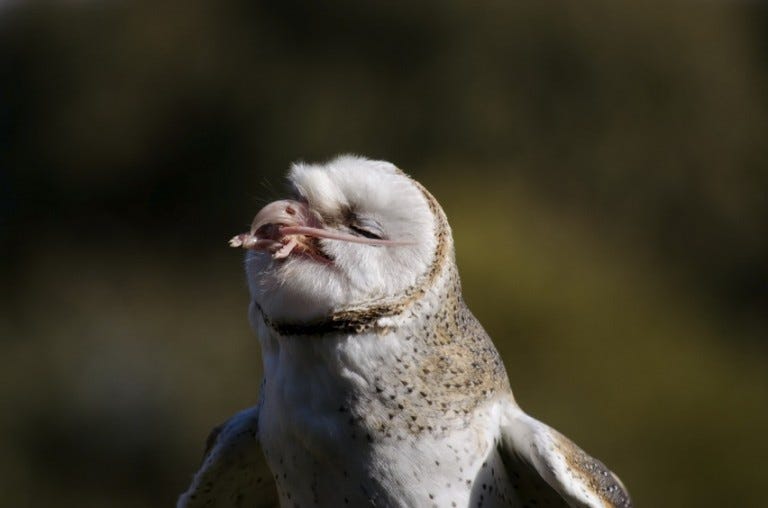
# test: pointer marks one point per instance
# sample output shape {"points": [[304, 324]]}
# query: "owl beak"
{"points": [[282, 226]]}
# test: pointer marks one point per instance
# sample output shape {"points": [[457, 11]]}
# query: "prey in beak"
{"points": [[288, 226]]}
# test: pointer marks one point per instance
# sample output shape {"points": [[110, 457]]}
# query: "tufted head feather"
{"points": [[359, 231]]}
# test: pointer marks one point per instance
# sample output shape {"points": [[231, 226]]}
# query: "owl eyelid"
{"points": [[368, 228]]}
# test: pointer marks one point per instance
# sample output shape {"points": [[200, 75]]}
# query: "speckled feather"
{"points": [[400, 401]]}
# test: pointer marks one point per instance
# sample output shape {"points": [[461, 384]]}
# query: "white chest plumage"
{"points": [[341, 424]]}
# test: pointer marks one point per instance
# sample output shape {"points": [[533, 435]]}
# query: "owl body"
{"points": [[380, 387], [403, 415]]}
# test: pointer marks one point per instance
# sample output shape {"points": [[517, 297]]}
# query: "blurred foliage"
{"points": [[604, 166]]}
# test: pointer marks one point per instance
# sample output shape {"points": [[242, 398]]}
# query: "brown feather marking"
{"points": [[594, 473]]}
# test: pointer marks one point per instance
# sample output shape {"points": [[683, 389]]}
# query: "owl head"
{"points": [[352, 231]]}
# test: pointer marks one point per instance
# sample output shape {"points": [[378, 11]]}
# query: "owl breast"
{"points": [[372, 419]]}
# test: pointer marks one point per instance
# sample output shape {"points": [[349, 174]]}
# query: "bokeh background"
{"points": [[604, 166]]}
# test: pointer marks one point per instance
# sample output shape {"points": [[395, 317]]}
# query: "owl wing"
{"points": [[234, 472], [547, 467]]}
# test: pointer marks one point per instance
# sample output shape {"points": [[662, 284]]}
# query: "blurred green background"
{"points": [[604, 166]]}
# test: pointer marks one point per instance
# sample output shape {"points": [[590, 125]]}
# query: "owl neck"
{"points": [[380, 315], [346, 322]]}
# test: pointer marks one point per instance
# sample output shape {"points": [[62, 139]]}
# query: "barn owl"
{"points": [[380, 387]]}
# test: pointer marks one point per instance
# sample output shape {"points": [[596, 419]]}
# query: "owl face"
{"points": [[354, 230]]}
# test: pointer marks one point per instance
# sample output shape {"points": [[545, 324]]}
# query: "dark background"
{"points": [[603, 164]]}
